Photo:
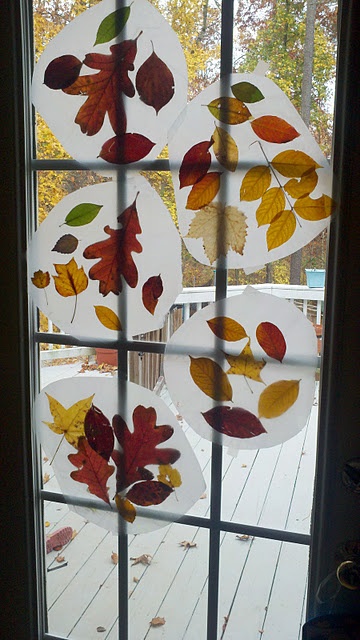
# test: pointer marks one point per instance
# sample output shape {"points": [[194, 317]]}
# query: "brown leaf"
{"points": [[210, 378], [74, 534], [151, 292], [135, 579], [145, 558], [114, 558], [149, 492], [157, 622], [46, 478], [204, 191], [100, 629], [274, 129], [155, 82], [98, 432], [234, 421], [60, 559], [66, 244], [62, 72], [244, 537], [71, 280], [195, 164], [187, 545]]}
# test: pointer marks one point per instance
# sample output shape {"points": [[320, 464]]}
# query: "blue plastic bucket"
{"points": [[315, 278]]}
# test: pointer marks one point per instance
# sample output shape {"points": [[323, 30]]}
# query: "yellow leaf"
{"points": [[229, 110], [281, 229], [69, 422], [210, 378], [255, 182], [71, 279], [313, 210], [204, 191], [220, 228], [272, 203], [294, 164], [125, 508], [304, 186], [169, 476], [47, 523], [245, 364], [108, 318], [278, 398], [225, 149], [41, 279], [227, 329]]}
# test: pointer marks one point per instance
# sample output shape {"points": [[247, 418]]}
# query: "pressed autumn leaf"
{"points": [[105, 89], [281, 229], [98, 432], [300, 188], [66, 244], [70, 281], [225, 149], [227, 329], [125, 508], [221, 228], [62, 72], [245, 364], [126, 148], [272, 203], [92, 469], [293, 164], [247, 92], [149, 492], [255, 182], [204, 191], [41, 279], [112, 25], [195, 164], [229, 110], [108, 318], [210, 378], [272, 340], [115, 254], [278, 398], [155, 82], [313, 210], [139, 448], [234, 421], [82, 214], [69, 422], [273, 129], [169, 475], [151, 292]]}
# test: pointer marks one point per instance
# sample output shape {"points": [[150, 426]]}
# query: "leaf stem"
{"points": [[75, 305], [248, 384], [46, 298], [57, 449]]}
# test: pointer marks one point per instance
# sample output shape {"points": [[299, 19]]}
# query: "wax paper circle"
{"points": [[272, 401], [241, 206], [157, 261], [77, 39], [111, 398]]}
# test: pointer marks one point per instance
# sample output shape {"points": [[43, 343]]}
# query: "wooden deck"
{"points": [[262, 582]]}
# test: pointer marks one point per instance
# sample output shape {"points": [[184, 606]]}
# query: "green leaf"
{"points": [[247, 92], [82, 214], [112, 25]]}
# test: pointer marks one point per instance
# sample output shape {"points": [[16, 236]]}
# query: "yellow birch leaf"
{"points": [[272, 203], [125, 508], [108, 318], [300, 188], [255, 182], [227, 329], [281, 229], [69, 422], [225, 149], [210, 378], [293, 164], [169, 476], [71, 279], [245, 364], [229, 110], [220, 228], [204, 191], [41, 279], [314, 210], [278, 398]]}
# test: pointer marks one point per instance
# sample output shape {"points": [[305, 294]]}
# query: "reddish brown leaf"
{"points": [[66, 244], [234, 421], [62, 72], [126, 148], [151, 292], [271, 339], [99, 433], [93, 470], [274, 129], [195, 164], [155, 82], [139, 447], [204, 191], [149, 492], [115, 254]]}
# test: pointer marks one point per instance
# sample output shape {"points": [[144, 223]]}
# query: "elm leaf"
{"points": [[112, 25], [82, 214]]}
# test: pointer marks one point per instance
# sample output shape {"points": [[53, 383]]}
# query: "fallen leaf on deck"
{"points": [[244, 538], [145, 558], [45, 459], [226, 620], [46, 478], [47, 524], [114, 558], [60, 559], [135, 579], [100, 629], [187, 545], [203, 496], [157, 622], [74, 534], [243, 466]]}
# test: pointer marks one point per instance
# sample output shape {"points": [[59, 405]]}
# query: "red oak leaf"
{"points": [[195, 164], [139, 447], [155, 82], [234, 421], [126, 148], [151, 292], [98, 432], [93, 470], [115, 254], [149, 492], [105, 89]]}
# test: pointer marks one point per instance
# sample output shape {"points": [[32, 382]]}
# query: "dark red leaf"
{"points": [[62, 72], [274, 129], [149, 492], [271, 339], [126, 148], [93, 470], [155, 82], [151, 292], [195, 164], [234, 421], [99, 433], [66, 244]]}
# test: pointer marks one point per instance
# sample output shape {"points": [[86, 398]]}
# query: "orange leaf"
{"points": [[195, 164], [272, 203], [281, 229], [210, 378], [313, 210], [71, 279], [274, 129], [255, 182], [271, 339], [157, 622], [93, 470], [151, 292], [204, 191], [227, 329]]}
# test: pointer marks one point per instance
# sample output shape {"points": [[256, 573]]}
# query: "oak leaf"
{"points": [[245, 364], [41, 279], [155, 82], [221, 228], [255, 182], [151, 292], [225, 149], [69, 422], [294, 164], [274, 129], [313, 210], [281, 228], [227, 329], [272, 203], [234, 421], [98, 432], [303, 187], [195, 163], [204, 191], [170, 476], [210, 378], [108, 318], [278, 398], [92, 469], [272, 340], [126, 148], [229, 110]]}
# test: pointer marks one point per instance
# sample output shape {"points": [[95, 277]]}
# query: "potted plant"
{"points": [[315, 278]]}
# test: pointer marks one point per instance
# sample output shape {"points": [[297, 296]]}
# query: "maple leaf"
{"points": [[69, 422], [220, 228], [93, 470], [41, 279], [245, 364], [105, 89], [139, 448], [115, 254], [70, 281]]}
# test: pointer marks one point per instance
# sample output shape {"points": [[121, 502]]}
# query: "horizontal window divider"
{"points": [[160, 164]]}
